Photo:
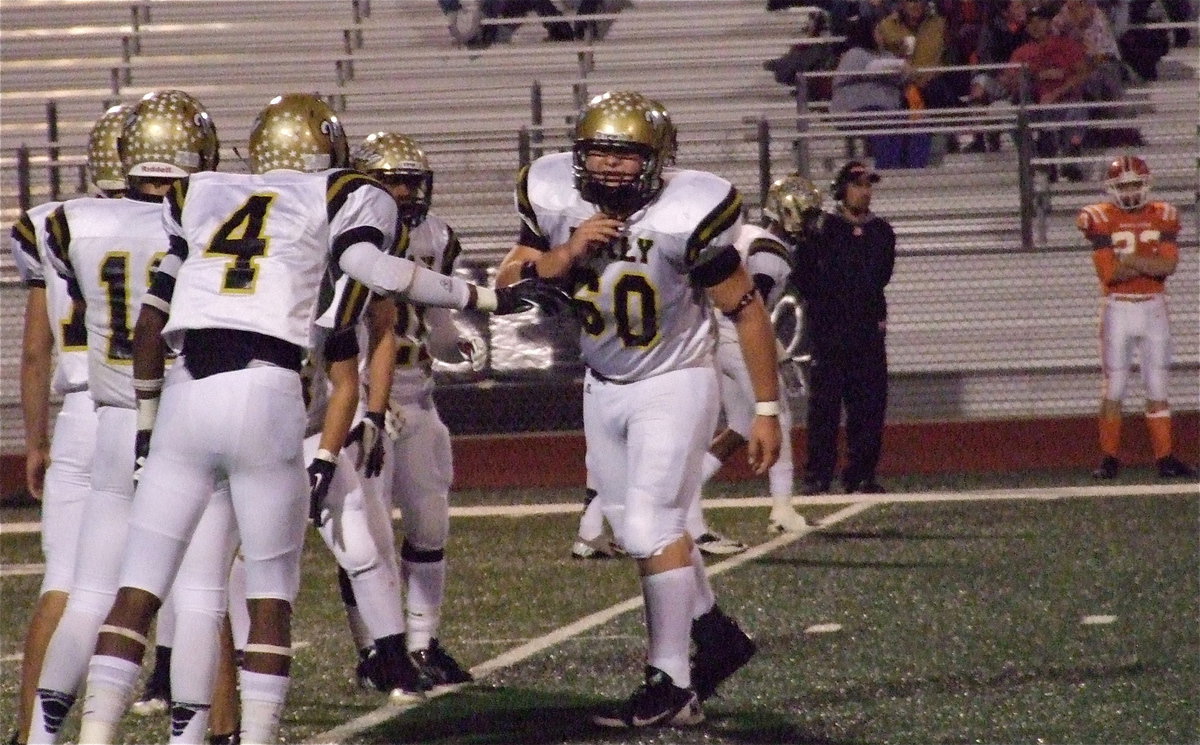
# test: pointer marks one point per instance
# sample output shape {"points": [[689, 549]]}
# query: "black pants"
{"points": [[854, 377]]}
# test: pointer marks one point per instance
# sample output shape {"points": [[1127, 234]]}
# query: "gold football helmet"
{"points": [[168, 134], [300, 132], [790, 201], [103, 160], [620, 120], [392, 157], [672, 134]]}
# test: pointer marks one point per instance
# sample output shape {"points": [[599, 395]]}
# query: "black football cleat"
{"points": [[442, 670], [1108, 469], [1170, 467], [656, 702], [722, 648]]}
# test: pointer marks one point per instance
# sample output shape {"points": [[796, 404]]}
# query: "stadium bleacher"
{"points": [[967, 298]]}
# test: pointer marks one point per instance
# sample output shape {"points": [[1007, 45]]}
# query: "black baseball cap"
{"points": [[855, 171]]}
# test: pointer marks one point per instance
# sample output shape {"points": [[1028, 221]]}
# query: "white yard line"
{"points": [[1054, 492], [534, 646], [21, 570]]}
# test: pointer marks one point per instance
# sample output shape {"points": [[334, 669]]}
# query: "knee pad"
{"points": [[91, 601], [642, 538], [276, 577], [208, 601], [427, 525]]}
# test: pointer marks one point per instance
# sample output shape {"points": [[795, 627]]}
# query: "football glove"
{"points": [[320, 473], [368, 433], [474, 351], [546, 296]]}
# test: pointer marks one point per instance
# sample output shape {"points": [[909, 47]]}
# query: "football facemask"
{"points": [[1128, 182], [396, 159], [625, 123]]}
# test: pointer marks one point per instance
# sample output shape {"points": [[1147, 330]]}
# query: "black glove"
{"points": [[368, 433], [141, 448], [546, 296], [320, 473]]}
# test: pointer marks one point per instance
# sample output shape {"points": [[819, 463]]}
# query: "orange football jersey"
{"points": [[1149, 230]]}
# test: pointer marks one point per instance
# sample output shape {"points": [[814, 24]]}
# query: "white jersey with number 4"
{"points": [[642, 314], [107, 250], [253, 252]]}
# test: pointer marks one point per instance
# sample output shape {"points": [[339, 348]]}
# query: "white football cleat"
{"points": [[600, 547], [786, 520], [713, 543]]}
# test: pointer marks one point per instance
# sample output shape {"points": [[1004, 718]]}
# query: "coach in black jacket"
{"points": [[841, 272]]}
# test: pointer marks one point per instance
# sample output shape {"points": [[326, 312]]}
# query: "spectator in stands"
{"points": [[593, 29], [854, 89], [808, 56], [1141, 49], [1002, 32], [1058, 68], [470, 30], [916, 33], [1083, 21]]}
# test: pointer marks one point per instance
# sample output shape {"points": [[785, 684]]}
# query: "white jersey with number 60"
{"points": [[642, 315]]}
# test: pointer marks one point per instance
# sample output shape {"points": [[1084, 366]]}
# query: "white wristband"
{"points": [[485, 299], [325, 455], [766, 408], [148, 386], [147, 412]]}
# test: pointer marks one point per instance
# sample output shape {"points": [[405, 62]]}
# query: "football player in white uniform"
{"points": [[58, 471], [790, 203], [348, 512], [253, 262], [418, 470], [106, 250], [649, 255]]}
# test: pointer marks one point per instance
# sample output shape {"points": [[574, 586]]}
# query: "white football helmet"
{"points": [[299, 132]]}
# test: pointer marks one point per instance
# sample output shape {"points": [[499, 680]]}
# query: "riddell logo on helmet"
{"points": [[157, 168]]}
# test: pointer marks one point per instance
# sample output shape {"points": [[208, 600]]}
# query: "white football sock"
{"points": [[670, 596], [424, 591], [110, 684], [262, 705]]}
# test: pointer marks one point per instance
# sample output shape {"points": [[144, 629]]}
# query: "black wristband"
{"points": [[741, 304], [529, 270]]}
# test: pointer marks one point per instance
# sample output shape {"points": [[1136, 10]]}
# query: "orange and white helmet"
{"points": [[1128, 182]]}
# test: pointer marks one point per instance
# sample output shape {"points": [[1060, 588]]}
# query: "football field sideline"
{"points": [[559, 508]]}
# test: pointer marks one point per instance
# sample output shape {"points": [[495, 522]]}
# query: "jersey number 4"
{"points": [[241, 237]]}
